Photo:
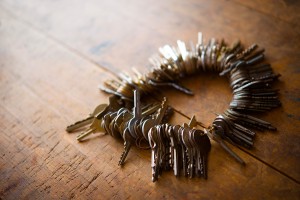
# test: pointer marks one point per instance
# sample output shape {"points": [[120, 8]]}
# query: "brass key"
{"points": [[88, 120], [94, 127]]}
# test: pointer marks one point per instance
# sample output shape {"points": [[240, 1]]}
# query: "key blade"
{"points": [[79, 124], [84, 134]]}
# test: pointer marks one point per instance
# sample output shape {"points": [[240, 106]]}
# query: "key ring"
{"points": [[180, 147]]}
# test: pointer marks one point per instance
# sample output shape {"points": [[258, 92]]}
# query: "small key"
{"points": [[88, 120], [94, 127]]}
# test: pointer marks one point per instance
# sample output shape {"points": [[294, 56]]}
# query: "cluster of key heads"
{"points": [[181, 148], [185, 148]]}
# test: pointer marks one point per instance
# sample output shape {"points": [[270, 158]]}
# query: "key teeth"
{"points": [[124, 155], [121, 161]]}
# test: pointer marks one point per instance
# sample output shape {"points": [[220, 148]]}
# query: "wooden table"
{"points": [[53, 55]]}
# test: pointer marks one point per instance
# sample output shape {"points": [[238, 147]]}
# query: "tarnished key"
{"points": [[136, 114], [166, 147], [161, 150], [195, 141], [189, 150], [129, 134], [88, 120], [177, 149], [153, 142], [169, 148], [94, 127], [183, 152], [128, 141], [170, 135], [205, 147]]}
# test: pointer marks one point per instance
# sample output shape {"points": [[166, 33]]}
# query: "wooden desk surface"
{"points": [[53, 55]]}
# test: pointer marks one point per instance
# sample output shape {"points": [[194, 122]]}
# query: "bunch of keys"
{"points": [[120, 122], [185, 148], [181, 148]]}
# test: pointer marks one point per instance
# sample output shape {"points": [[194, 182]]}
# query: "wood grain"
{"points": [[54, 54]]}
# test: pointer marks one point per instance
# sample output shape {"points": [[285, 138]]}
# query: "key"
{"points": [[166, 147], [183, 152], [94, 127], [170, 149], [153, 142], [215, 135], [161, 150], [195, 141], [189, 150], [105, 122], [131, 127], [177, 150], [113, 131], [176, 86], [205, 147], [170, 136], [128, 141], [168, 114], [193, 122], [88, 120], [127, 115], [147, 124], [136, 114], [108, 122]]}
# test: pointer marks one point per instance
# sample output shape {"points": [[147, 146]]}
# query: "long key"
{"points": [[136, 114], [94, 127], [128, 137], [88, 120]]}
